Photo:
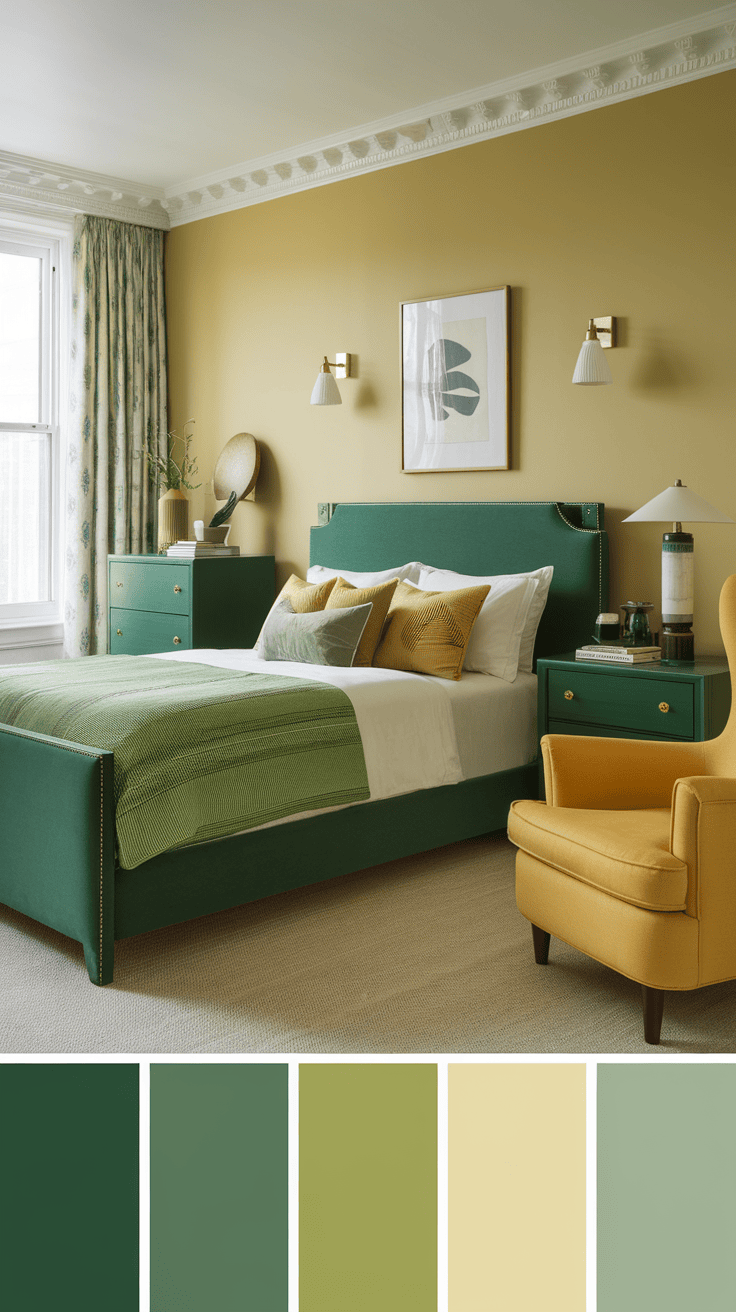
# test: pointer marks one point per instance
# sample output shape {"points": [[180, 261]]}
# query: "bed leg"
{"points": [[99, 964]]}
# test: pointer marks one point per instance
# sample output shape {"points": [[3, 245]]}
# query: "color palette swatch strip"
{"points": [[367, 1195]]}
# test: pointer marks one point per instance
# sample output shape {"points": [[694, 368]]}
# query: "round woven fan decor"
{"points": [[237, 467]]}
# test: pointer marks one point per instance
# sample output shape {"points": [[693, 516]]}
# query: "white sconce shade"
{"points": [[326, 391], [592, 369]]}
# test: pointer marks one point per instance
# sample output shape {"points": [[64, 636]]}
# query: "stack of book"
{"points": [[618, 654], [200, 550]]}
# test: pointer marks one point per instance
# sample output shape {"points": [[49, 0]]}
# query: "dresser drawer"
{"points": [[622, 702], [135, 633], [150, 585]]}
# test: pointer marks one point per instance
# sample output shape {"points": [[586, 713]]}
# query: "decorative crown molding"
{"points": [[665, 57], [668, 56], [28, 184]]}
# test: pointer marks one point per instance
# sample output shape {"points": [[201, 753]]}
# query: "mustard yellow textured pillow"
{"points": [[304, 598], [344, 594], [427, 632]]}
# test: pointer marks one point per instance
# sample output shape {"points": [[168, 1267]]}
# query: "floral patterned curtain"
{"points": [[117, 410]]}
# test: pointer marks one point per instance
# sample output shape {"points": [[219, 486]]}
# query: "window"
{"points": [[29, 428]]}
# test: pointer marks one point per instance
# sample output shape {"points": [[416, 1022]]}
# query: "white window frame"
{"points": [[39, 624]]}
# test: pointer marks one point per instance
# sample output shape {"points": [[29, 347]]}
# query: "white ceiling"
{"points": [[164, 91]]}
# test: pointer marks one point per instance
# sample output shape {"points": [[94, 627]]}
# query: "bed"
{"points": [[56, 802]]}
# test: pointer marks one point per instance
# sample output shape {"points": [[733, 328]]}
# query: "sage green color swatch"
{"points": [[219, 1187], [69, 1196], [367, 1187], [666, 1188]]}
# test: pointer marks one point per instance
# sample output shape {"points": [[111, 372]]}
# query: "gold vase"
{"points": [[173, 519]]}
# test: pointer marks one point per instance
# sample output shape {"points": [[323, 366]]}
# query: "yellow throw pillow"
{"points": [[304, 598], [344, 594], [427, 632]]}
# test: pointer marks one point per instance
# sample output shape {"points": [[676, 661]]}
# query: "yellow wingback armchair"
{"points": [[632, 859]]}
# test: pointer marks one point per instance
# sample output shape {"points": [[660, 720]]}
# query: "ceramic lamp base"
{"points": [[677, 642]]}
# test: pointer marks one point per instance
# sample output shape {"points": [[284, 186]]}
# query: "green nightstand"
{"points": [[157, 602], [684, 701]]}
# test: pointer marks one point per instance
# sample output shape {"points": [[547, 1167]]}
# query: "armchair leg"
{"points": [[541, 945], [653, 1009]]}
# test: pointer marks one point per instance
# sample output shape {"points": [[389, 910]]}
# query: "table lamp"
{"points": [[678, 503]]}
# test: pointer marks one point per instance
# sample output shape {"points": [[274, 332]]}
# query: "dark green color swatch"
{"points": [[219, 1188], [666, 1188], [368, 1187], [69, 1194]]}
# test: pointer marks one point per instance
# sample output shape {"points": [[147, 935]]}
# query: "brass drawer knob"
{"points": [[120, 633], [118, 584], [569, 695], [664, 707], [177, 642], [177, 588]]}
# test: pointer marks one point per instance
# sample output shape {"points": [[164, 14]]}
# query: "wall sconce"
{"points": [[592, 369], [678, 504], [325, 390]]}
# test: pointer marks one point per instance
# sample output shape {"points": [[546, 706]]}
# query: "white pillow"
{"points": [[321, 573], [494, 641], [537, 602], [536, 610]]}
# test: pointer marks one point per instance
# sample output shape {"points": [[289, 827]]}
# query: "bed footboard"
{"points": [[57, 839]]}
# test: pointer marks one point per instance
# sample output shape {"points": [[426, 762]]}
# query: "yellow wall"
{"points": [[626, 210]]}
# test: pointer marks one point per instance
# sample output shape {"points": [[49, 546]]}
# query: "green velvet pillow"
{"points": [[319, 637]]}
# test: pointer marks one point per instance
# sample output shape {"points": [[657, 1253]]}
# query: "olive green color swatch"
{"points": [[69, 1196], [666, 1187], [368, 1187], [219, 1187]]}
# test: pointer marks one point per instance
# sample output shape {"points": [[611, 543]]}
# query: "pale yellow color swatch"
{"points": [[517, 1188]]}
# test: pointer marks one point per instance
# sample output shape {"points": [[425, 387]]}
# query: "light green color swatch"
{"points": [[368, 1188], [666, 1188]]}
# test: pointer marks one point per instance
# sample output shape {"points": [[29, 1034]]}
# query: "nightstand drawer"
{"points": [[622, 702], [150, 585], [135, 633]]}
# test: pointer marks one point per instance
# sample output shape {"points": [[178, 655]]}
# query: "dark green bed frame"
{"points": [[57, 824]]}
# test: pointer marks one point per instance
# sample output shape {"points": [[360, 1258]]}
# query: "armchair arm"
{"points": [[615, 774], [703, 834]]}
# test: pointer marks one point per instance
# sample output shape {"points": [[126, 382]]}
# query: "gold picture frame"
{"points": [[452, 419]]}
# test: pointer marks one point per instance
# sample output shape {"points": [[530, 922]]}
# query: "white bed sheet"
{"points": [[495, 722], [417, 731]]}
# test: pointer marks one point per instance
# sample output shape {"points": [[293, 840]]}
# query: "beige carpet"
{"points": [[428, 954]]}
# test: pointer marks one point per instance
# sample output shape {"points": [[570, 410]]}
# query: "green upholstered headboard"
{"points": [[481, 537]]}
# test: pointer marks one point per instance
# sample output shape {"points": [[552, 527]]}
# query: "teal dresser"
{"points": [[156, 603], [686, 701]]}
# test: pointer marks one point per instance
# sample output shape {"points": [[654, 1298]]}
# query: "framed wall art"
{"points": [[455, 394]]}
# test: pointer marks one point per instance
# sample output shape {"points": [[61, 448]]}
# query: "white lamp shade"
{"points": [[325, 390], [679, 504], [592, 369]]}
